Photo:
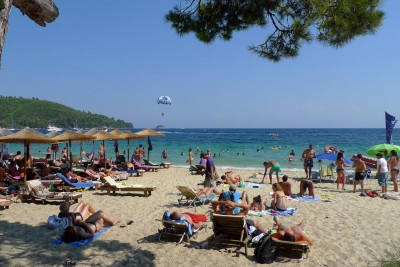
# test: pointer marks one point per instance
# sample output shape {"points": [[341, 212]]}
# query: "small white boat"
{"points": [[53, 129]]}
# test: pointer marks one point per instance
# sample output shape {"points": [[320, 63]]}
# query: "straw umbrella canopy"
{"points": [[4, 132], [103, 135], [69, 136], [149, 132], [131, 136], [52, 134], [26, 136]]}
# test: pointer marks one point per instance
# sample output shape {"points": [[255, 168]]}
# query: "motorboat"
{"points": [[51, 128]]}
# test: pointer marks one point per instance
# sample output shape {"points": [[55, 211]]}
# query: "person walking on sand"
{"points": [[394, 169], [359, 171], [341, 174], [382, 172], [307, 158], [275, 167]]}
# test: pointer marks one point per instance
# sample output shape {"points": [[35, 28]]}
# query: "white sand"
{"points": [[348, 231]]}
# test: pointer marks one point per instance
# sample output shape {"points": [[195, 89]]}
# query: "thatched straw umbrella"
{"points": [[148, 133]]}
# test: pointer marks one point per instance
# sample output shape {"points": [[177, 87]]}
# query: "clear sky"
{"points": [[116, 57]]}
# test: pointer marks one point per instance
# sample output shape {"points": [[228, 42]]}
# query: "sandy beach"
{"points": [[348, 230]]}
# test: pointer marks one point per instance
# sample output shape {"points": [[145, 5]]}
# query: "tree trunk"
{"points": [[4, 15]]}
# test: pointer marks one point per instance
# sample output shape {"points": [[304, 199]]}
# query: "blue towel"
{"points": [[287, 212], [204, 199], [83, 242], [305, 198], [255, 185], [166, 217], [68, 181]]}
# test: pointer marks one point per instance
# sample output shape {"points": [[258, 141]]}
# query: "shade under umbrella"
{"points": [[26, 136], [131, 136], [147, 133], [383, 148], [332, 157], [70, 136], [102, 135]]}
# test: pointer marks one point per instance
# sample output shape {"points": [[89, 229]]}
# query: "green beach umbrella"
{"points": [[383, 148]]}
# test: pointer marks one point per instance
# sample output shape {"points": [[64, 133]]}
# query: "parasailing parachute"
{"points": [[164, 100]]}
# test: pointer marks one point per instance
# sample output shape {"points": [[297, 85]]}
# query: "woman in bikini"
{"points": [[279, 201], [341, 174], [394, 169], [86, 229], [81, 211], [257, 204]]}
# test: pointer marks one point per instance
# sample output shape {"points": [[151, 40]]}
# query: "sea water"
{"points": [[238, 148]]}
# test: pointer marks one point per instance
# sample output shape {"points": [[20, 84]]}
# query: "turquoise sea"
{"points": [[237, 148]]}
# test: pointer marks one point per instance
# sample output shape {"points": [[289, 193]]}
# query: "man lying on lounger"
{"points": [[195, 219], [293, 234]]}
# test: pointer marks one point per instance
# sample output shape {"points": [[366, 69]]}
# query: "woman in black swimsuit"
{"points": [[394, 169], [86, 229]]}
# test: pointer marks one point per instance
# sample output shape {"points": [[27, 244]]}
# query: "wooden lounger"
{"points": [[110, 185]]}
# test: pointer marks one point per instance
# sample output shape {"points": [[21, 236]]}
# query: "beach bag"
{"points": [[55, 222], [267, 250]]}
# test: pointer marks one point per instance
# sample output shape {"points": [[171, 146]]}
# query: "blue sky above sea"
{"points": [[117, 59]]}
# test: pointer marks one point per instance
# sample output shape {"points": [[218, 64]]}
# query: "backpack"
{"points": [[266, 250], [54, 222]]}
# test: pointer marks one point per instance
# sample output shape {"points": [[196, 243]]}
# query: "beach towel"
{"points": [[83, 242], [166, 217], [255, 185], [287, 212], [305, 198], [196, 218]]}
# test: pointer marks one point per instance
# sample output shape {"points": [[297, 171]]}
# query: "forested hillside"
{"points": [[18, 112]]}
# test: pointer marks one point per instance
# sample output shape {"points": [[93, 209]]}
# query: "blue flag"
{"points": [[390, 123], [149, 143]]}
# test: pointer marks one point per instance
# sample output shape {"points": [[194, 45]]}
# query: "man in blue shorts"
{"points": [[382, 172]]}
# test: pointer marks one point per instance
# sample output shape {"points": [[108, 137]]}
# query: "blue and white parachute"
{"points": [[165, 100]]}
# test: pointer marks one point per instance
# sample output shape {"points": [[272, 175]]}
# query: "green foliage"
{"points": [[390, 258], [293, 22], [2, 4], [38, 113]]}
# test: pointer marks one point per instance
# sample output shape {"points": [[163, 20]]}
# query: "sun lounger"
{"points": [[229, 230], [139, 165], [180, 228], [290, 249], [111, 185], [191, 198], [79, 184], [37, 191], [5, 203], [197, 169]]}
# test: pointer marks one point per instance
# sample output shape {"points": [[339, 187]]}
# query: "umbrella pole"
{"points": [[26, 152], [70, 152], [80, 152], [93, 153], [128, 150]]}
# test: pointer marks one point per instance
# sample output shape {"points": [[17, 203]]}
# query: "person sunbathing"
{"points": [[286, 186], [86, 229], [195, 219], [81, 211], [207, 191], [229, 179], [74, 178], [293, 234], [304, 184], [258, 205], [232, 202], [279, 199]]}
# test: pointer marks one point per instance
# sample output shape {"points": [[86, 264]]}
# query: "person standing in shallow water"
{"points": [[190, 155]]}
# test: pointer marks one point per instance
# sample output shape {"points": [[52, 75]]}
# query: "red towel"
{"points": [[196, 218]]}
